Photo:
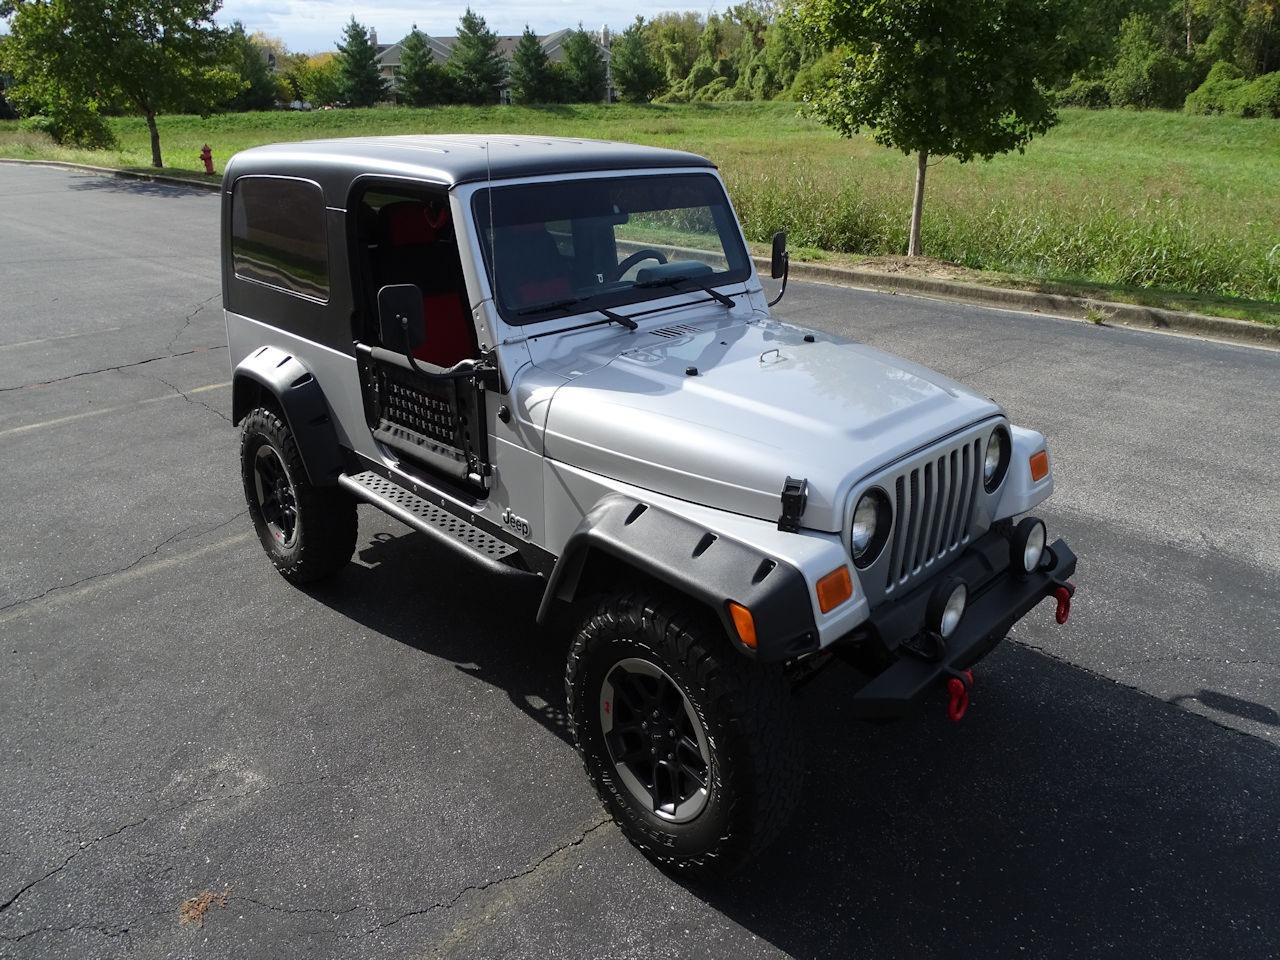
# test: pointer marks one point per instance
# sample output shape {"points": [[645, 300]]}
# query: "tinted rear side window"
{"points": [[278, 235]]}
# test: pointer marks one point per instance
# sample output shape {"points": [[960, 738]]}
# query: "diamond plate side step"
{"points": [[422, 515]]}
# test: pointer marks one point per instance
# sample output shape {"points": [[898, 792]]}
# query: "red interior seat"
{"points": [[530, 269], [415, 250]]}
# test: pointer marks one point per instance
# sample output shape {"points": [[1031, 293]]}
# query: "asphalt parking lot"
{"points": [[380, 768]]}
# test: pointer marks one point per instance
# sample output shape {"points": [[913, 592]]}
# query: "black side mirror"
{"points": [[400, 318], [778, 263]]}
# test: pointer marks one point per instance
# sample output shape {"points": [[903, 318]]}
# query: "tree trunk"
{"points": [[156, 160], [917, 207]]}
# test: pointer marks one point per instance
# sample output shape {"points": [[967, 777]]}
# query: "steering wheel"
{"points": [[638, 257]]}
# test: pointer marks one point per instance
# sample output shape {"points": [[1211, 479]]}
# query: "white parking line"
{"points": [[71, 417], [65, 336], [57, 599]]}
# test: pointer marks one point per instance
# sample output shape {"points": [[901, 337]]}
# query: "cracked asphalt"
{"points": [[380, 768]]}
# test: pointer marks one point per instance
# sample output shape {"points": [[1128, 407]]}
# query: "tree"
{"points": [[6, 109], [274, 51], [475, 66], [62, 105], [421, 81], [1146, 73], [779, 60], [675, 39], [959, 78], [317, 79], [362, 84], [146, 55], [635, 70], [532, 78], [584, 70], [258, 87]]}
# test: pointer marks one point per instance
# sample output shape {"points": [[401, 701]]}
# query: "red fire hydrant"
{"points": [[207, 156]]}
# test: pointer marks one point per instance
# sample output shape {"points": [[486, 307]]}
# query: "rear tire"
{"points": [[731, 728], [309, 532]]}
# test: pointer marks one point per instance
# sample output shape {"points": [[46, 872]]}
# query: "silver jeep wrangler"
{"points": [[556, 357]]}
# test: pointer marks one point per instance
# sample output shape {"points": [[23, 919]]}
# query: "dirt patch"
{"points": [[919, 267], [193, 910]]}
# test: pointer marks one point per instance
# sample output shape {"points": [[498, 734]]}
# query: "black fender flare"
{"points": [[700, 563], [286, 378]]}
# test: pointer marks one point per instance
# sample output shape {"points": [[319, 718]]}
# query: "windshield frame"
{"points": [[734, 247]]}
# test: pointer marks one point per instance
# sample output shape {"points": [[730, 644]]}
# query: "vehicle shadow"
{"points": [[483, 625], [139, 188], [1066, 816]]}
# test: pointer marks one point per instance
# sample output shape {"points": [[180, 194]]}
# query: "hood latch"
{"points": [[795, 494]]}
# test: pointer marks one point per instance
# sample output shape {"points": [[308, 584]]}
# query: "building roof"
{"points": [[449, 160]]}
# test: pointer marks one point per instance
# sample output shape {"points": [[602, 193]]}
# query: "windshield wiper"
{"points": [[685, 278], [553, 305], [609, 315]]}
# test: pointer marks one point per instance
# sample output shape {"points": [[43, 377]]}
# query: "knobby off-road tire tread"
{"points": [[327, 522], [761, 774]]}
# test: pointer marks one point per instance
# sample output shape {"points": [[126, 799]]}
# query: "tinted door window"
{"points": [[278, 235]]}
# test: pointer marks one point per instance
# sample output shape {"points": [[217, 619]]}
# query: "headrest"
{"points": [[408, 223]]}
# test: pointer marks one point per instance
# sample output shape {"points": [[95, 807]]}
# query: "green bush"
{"points": [[1217, 91], [1085, 93], [812, 79], [1259, 98], [1226, 91], [714, 89], [674, 95], [72, 124]]}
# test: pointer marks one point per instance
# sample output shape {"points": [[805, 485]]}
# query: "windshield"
{"points": [[569, 247]]}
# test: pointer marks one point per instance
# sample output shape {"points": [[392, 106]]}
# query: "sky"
{"points": [[315, 25]]}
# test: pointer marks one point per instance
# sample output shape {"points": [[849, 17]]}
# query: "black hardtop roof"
{"points": [[450, 160]]}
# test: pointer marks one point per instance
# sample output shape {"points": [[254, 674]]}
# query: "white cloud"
{"points": [[315, 25]]}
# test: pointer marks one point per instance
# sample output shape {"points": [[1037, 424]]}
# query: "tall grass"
{"points": [[1152, 200], [1152, 244]]}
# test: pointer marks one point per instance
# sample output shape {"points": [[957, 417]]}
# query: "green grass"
{"points": [[1159, 207]]}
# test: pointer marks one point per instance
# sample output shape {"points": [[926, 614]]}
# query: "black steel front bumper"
{"points": [[998, 598]]}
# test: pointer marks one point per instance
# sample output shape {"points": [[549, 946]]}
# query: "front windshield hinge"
{"points": [[795, 494]]}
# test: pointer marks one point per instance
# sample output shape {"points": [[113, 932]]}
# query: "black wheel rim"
{"points": [[656, 741], [277, 499]]}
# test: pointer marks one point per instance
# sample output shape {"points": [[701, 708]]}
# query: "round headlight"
{"points": [[995, 463], [1028, 543], [946, 606], [870, 527]]}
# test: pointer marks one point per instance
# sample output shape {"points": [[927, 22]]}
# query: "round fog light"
{"points": [[946, 606], [1028, 543]]}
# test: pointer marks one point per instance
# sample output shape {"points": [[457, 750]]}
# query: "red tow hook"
{"points": [[1063, 595], [958, 695]]}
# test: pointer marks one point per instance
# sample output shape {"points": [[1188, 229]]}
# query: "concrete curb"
{"points": [[123, 174], [1116, 314]]}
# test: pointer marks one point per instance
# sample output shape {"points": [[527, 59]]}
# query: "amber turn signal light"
{"points": [[834, 589], [1039, 466], [744, 623]]}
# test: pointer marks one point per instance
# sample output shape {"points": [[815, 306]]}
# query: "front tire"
{"points": [[308, 532], [691, 746]]}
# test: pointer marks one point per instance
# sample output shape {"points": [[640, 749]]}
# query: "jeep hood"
{"points": [[721, 415]]}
